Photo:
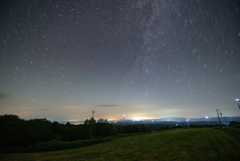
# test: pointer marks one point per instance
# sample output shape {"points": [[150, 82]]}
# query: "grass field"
{"points": [[185, 144]]}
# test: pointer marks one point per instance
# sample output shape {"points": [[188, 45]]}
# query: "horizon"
{"points": [[139, 58], [158, 120]]}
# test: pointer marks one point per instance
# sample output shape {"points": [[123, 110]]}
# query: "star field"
{"points": [[146, 59]]}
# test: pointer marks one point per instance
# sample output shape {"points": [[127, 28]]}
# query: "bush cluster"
{"points": [[42, 134], [234, 124]]}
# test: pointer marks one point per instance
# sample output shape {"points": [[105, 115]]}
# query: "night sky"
{"points": [[146, 59]]}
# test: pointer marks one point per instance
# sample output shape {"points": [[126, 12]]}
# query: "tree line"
{"points": [[15, 131]]}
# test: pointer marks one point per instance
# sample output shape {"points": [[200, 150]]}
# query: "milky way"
{"points": [[146, 59]]}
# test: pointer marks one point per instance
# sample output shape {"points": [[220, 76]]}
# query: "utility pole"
{"points": [[92, 114], [218, 117]]}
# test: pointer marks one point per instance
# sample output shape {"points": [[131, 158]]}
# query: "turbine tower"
{"points": [[92, 114]]}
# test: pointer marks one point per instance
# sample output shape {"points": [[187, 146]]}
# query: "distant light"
{"points": [[237, 100], [206, 117], [124, 115], [187, 119]]}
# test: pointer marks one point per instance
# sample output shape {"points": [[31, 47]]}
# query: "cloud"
{"points": [[44, 109], [70, 107], [35, 110], [107, 105], [3, 96]]}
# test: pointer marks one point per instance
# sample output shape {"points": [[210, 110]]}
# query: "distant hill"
{"points": [[176, 119], [173, 120], [181, 119]]}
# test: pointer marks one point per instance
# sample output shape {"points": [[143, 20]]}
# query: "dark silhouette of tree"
{"points": [[18, 132]]}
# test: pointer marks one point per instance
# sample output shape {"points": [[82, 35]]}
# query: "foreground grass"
{"points": [[186, 144]]}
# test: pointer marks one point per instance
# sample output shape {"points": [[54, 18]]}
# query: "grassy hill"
{"points": [[183, 144]]}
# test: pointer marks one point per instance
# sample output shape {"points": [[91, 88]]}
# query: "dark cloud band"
{"points": [[4, 96]]}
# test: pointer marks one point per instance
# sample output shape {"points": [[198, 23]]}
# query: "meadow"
{"points": [[182, 144]]}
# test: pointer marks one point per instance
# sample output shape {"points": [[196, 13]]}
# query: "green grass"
{"points": [[184, 144]]}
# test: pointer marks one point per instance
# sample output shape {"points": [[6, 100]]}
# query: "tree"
{"points": [[57, 130], [234, 123], [103, 128], [89, 126]]}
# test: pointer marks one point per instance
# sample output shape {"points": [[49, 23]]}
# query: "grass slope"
{"points": [[186, 144]]}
